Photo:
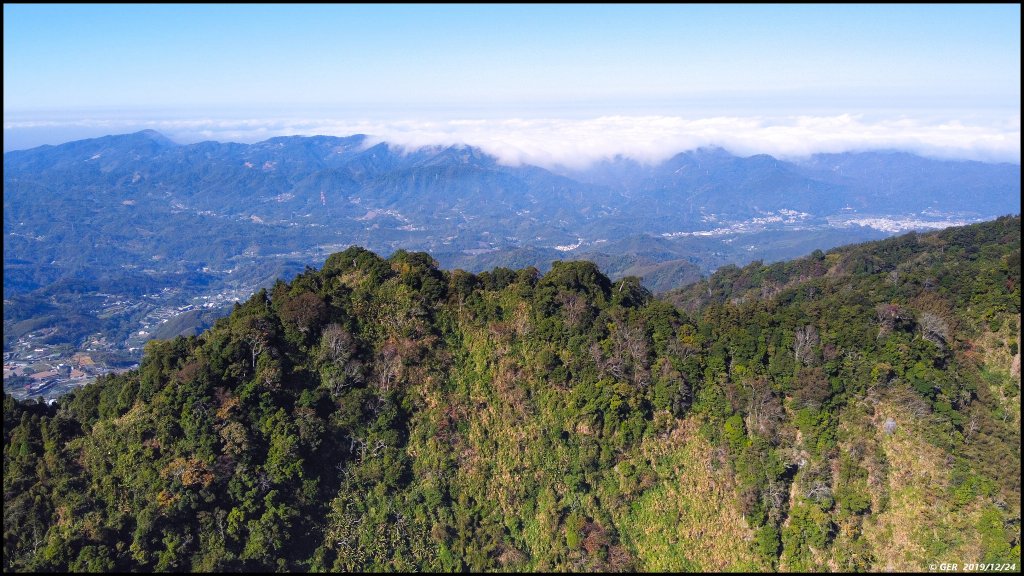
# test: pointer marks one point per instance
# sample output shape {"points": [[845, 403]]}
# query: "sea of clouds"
{"points": [[576, 143]]}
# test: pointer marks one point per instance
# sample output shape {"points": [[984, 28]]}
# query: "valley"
{"points": [[113, 241]]}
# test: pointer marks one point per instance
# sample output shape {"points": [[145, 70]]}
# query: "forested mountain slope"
{"points": [[139, 202], [855, 410]]}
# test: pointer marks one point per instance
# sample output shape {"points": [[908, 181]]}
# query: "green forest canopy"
{"points": [[853, 410]]}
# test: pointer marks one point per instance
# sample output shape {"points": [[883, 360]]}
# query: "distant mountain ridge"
{"points": [[707, 179], [141, 212], [441, 197]]}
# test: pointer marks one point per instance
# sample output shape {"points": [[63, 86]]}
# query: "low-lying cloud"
{"points": [[576, 143]]}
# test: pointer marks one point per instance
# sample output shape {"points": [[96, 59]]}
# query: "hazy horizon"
{"points": [[544, 85]]}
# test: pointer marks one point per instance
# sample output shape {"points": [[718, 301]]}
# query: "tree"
{"points": [[805, 343]]}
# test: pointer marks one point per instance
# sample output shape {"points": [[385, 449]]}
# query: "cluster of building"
{"points": [[49, 377], [33, 367]]}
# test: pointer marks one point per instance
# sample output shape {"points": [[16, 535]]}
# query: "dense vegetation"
{"points": [[854, 410]]}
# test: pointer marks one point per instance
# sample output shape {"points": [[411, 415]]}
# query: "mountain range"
{"points": [[147, 222]]}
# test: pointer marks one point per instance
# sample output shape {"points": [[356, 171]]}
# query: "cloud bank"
{"points": [[576, 143]]}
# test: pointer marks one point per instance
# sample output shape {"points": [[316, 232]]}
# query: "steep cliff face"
{"points": [[854, 410]]}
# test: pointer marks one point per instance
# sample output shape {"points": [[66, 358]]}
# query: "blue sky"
{"points": [[245, 72]]}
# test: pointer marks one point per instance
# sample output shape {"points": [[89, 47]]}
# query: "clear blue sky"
{"points": [[508, 61]]}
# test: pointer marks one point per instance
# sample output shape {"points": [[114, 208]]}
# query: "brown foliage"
{"points": [[226, 403], [812, 387], [595, 537], [191, 371], [191, 471], [764, 410], [304, 312]]}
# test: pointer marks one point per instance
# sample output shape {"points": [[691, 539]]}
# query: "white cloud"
{"points": [[578, 142]]}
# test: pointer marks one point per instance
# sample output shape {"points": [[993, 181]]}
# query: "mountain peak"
{"points": [[154, 136]]}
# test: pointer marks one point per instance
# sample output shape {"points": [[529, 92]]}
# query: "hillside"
{"points": [[858, 409], [138, 202]]}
